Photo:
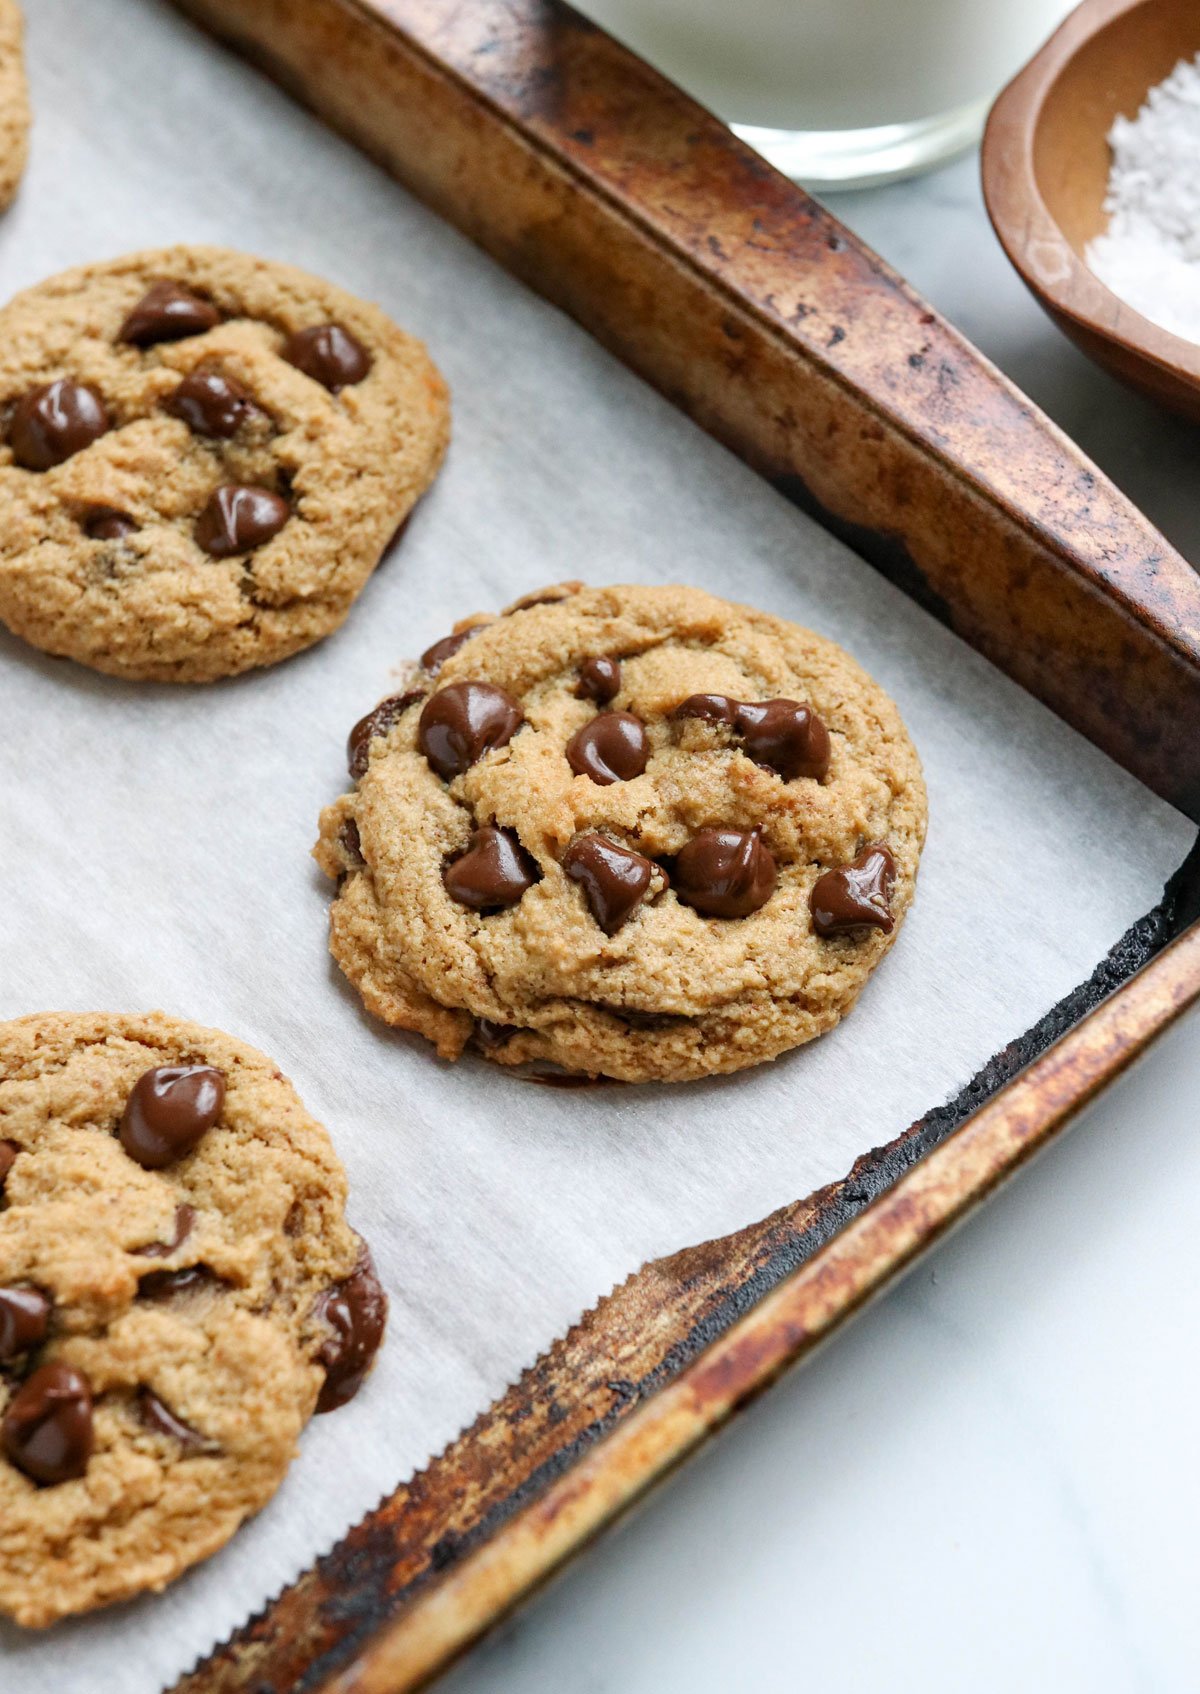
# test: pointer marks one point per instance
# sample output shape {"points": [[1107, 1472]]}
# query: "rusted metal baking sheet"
{"points": [[613, 194], [749, 306]]}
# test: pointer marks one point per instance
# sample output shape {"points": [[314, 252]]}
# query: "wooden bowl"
{"points": [[1045, 171]]}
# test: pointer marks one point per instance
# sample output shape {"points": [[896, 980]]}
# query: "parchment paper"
{"points": [[155, 842]]}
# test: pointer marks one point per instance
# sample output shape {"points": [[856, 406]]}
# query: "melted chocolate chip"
{"points": [[489, 1035], [52, 423], [351, 844], [105, 523], [599, 680], [615, 878], [378, 721], [238, 518], [210, 404], [856, 896], [329, 354], [355, 1311], [24, 1319], [784, 735], [725, 873], [462, 722], [169, 1110], [494, 871], [169, 1285], [433, 658], [47, 1430], [168, 312], [8, 1154], [157, 1415], [185, 1217], [612, 748]]}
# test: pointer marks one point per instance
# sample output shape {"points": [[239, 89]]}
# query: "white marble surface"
{"points": [[991, 1480]]}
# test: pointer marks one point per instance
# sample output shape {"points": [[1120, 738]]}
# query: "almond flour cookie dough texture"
{"points": [[202, 458], [179, 1290], [638, 832], [14, 102]]}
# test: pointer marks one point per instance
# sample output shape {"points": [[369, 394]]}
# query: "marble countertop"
{"points": [[990, 1480]]}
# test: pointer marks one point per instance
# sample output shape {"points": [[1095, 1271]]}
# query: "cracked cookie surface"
{"points": [[179, 1290], [203, 456], [14, 101], [634, 832]]}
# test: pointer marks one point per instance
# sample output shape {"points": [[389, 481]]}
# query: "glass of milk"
{"points": [[840, 93]]}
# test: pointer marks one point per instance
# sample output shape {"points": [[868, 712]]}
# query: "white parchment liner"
{"points": [[154, 842]]}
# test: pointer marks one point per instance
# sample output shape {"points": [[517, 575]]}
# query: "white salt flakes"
{"points": [[1150, 253]]}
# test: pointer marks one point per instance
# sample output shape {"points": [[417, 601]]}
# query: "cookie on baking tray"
{"points": [[203, 456], [179, 1291], [635, 832], [14, 101]]}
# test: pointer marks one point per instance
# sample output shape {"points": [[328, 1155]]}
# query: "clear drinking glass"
{"points": [[840, 93]]}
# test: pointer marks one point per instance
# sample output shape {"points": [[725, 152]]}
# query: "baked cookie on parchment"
{"points": [[14, 101], [634, 832], [179, 1291], [203, 457]]}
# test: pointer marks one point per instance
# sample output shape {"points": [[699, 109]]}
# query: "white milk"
{"points": [[833, 64]]}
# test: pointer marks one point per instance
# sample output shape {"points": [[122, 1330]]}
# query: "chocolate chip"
{"points": [[599, 680], [52, 423], [169, 1285], [784, 735], [210, 404], [238, 518], [157, 1415], [612, 748], [378, 721], [355, 1311], [8, 1155], [24, 1319], [725, 873], [489, 1035], [494, 871], [169, 1110], [105, 523], [47, 1430], [351, 844], [185, 1217], [856, 896], [329, 354], [615, 878], [462, 722], [167, 312], [433, 658]]}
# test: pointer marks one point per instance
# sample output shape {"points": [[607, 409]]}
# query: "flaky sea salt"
{"points": [[1150, 253]]}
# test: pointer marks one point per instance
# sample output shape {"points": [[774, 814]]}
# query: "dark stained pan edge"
{"points": [[757, 313], [633, 1343]]}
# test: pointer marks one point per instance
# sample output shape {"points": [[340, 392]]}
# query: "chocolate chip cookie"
{"points": [[14, 101], [636, 832], [179, 1291], [203, 456]]}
